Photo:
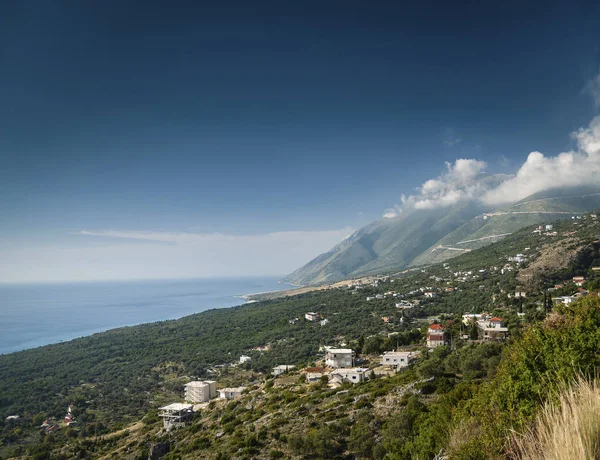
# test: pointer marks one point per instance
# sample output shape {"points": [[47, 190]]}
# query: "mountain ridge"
{"points": [[423, 237]]}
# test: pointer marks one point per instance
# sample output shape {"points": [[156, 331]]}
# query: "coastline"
{"points": [[68, 311]]}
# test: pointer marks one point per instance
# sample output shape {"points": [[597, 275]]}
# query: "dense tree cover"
{"points": [[558, 350]]}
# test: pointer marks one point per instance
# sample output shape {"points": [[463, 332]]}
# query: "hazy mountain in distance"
{"points": [[387, 244], [422, 237]]}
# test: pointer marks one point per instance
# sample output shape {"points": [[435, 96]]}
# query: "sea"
{"points": [[32, 315]]}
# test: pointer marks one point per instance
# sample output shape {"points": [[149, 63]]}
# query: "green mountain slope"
{"points": [[384, 245], [424, 237]]}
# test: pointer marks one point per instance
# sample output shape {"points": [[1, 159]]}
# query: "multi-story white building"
{"points": [[198, 392], [339, 357], [435, 336]]}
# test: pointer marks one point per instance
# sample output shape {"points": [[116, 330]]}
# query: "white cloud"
{"points": [[462, 180], [186, 255], [568, 169], [392, 212], [458, 183]]}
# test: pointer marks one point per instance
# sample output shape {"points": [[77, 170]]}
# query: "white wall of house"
{"points": [[396, 358], [339, 357], [200, 391]]}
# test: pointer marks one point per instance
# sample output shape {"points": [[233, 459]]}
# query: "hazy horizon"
{"points": [[142, 141]]}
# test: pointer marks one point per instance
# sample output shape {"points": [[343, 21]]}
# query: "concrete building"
{"points": [[230, 393], [339, 357], [353, 375], [282, 369], [245, 359], [198, 392], [399, 359], [175, 415]]}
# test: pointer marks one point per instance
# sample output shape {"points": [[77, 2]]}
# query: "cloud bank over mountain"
{"points": [[464, 179]]}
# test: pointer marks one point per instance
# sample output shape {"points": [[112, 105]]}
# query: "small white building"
{"points": [[404, 305], [245, 359], [370, 298], [339, 357], [549, 227], [198, 392], [399, 359], [312, 316], [430, 294], [565, 299], [353, 375], [470, 318], [324, 322], [578, 280], [379, 296], [495, 322], [175, 415], [230, 393], [312, 377], [282, 369]]}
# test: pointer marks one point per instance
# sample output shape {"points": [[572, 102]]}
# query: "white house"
{"points": [[339, 357], [198, 392], [397, 358], [370, 298], [245, 359], [578, 280], [282, 369], [495, 322], [404, 305], [324, 322], [469, 318], [379, 296], [230, 393], [312, 316], [430, 294], [353, 375], [565, 299]]}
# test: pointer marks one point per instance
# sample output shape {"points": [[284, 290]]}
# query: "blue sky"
{"points": [[245, 120]]}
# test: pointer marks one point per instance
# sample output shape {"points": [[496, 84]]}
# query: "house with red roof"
{"points": [[435, 336], [496, 322]]}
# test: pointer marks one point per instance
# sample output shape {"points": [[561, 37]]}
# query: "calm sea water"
{"points": [[38, 314]]}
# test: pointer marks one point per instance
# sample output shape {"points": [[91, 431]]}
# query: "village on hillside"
{"points": [[339, 363]]}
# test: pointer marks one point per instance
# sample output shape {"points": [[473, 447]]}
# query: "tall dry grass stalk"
{"points": [[568, 429]]}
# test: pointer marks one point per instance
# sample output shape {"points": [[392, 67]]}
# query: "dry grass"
{"points": [[568, 429]]}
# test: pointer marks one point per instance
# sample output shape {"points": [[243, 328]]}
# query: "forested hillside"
{"points": [[460, 400]]}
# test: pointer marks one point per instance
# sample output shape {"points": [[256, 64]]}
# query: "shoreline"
{"points": [[122, 305]]}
